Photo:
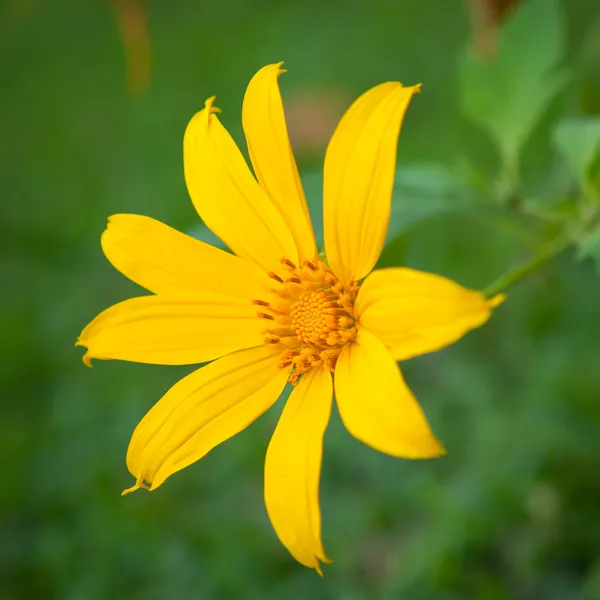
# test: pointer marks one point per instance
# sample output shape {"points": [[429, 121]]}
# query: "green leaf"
{"points": [[590, 247], [422, 191], [559, 209], [507, 94], [578, 140]]}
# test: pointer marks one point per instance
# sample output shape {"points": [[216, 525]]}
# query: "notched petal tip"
{"points": [[130, 222], [139, 485], [202, 118], [200, 123], [397, 85], [118, 226], [272, 67], [86, 358], [119, 220], [161, 476], [208, 105], [322, 559]]}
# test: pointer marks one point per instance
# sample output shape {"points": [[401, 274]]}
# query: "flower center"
{"points": [[312, 317]]}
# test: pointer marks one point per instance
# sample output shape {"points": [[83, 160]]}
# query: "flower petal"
{"points": [[228, 198], [166, 261], [173, 330], [293, 468], [413, 312], [272, 156], [203, 410], [359, 176], [375, 404]]}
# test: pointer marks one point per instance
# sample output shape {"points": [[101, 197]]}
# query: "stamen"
{"points": [[345, 322], [288, 263], [313, 314], [281, 331], [262, 315]]}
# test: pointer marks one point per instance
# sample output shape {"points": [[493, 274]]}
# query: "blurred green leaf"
{"points": [[507, 94], [590, 247], [578, 140], [559, 209], [422, 191]]}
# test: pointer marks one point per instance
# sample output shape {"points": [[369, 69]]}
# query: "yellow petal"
{"points": [[173, 330], [165, 261], [228, 198], [359, 176], [203, 410], [293, 468], [413, 312], [375, 404], [272, 157]]}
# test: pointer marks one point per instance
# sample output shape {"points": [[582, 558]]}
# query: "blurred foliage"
{"points": [[578, 139], [497, 157]]}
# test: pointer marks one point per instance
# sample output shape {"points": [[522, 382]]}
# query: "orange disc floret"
{"points": [[314, 314]]}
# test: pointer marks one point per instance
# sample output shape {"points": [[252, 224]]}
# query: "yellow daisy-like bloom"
{"points": [[274, 311]]}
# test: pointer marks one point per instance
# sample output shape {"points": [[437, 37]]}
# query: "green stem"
{"points": [[543, 255]]}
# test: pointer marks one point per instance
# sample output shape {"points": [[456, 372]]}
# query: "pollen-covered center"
{"points": [[319, 320], [311, 316]]}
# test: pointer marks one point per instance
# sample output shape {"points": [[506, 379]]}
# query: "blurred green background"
{"points": [[513, 510]]}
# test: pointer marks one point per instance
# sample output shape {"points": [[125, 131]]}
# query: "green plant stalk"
{"points": [[544, 254]]}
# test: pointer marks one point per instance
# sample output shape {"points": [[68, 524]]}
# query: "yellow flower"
{"points": [[273, 311]]}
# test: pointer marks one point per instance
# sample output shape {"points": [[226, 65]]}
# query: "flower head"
{"points": [[273, 311]]}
